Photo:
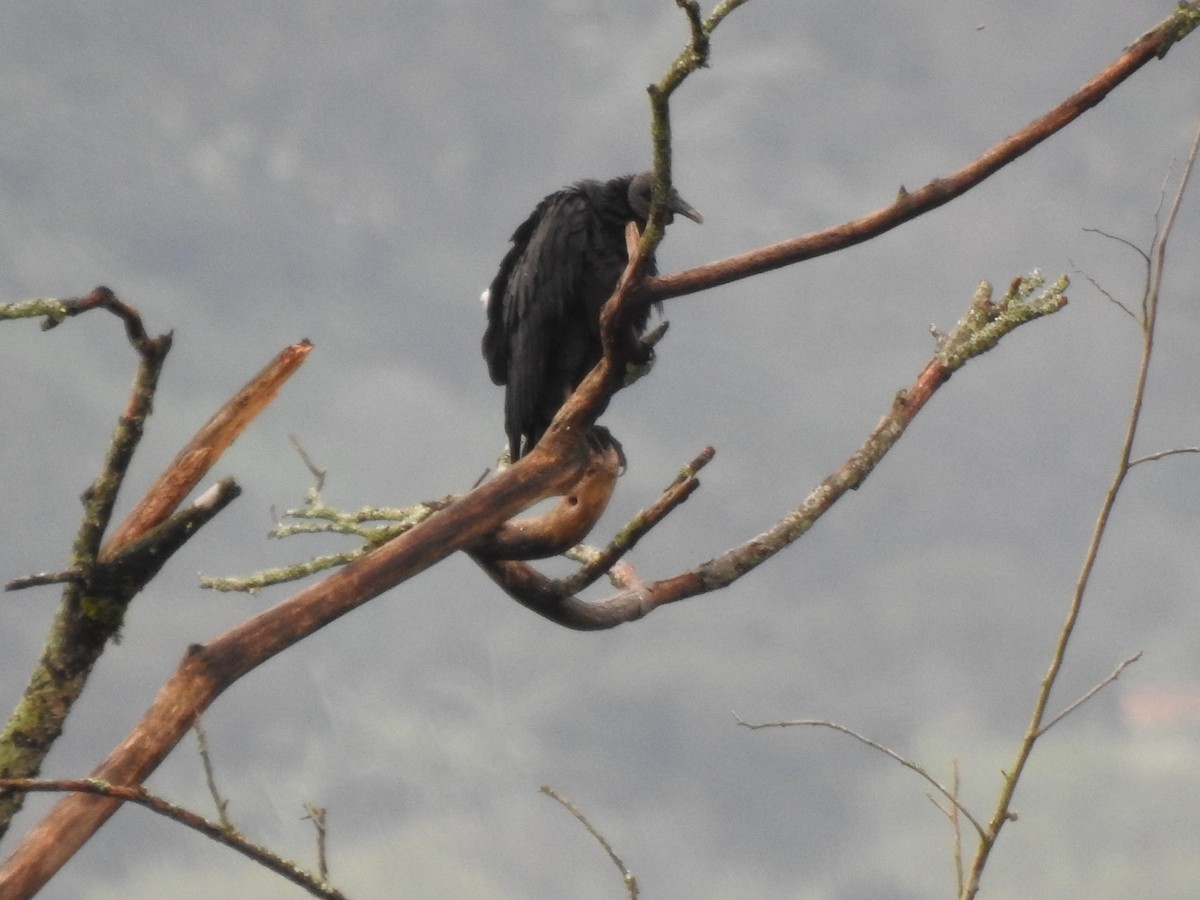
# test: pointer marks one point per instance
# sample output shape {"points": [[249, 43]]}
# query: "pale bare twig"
{"points": [[215, 830], [1037, 726], [630, 880], [316, 815], [887, 751], [1113, 676], [720, 11], [210, 776], [950, 811], [317, 473], [40, 579], [956, 824], [1162, 454]]}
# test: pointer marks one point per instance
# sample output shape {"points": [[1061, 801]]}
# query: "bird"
{"points": [[543, 306]]}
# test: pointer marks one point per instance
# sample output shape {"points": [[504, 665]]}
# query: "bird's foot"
{"points": [[638, 368], [602, 440]]}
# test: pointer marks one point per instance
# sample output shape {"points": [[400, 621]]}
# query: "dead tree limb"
{"points": [[103, 578], [1152, 45], [208, 669], [984, 324], [316, 885]]}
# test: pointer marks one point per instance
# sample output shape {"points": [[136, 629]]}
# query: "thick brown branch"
{"points": [[140, 560], [542, 595], [207, 670], [677, 492], [978, 331], [1149, 46], [566, 524], [106, 579], [213, 439]]}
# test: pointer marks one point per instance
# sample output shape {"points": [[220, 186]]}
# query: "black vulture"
{"points": [[543, 307]]}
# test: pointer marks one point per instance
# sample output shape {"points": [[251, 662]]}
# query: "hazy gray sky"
{"points": [[252, 175]]}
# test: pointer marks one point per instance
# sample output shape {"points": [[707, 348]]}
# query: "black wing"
{"points": [[536, 320]]}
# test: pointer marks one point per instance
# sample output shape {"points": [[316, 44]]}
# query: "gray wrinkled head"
{"points": [[640, 190]]}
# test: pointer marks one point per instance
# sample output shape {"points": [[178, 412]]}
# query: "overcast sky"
{"points": [[249, 175]]}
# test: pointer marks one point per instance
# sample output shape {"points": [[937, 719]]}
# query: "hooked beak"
{"points": [[678, 205]]}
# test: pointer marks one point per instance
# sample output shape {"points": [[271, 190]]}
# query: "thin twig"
{"points": [[887, 751], [1121, 240], [67, 576], [1113, 676], [720, 11], [229, 837], [1150, 46], [950, 811], [626, 539], [1162, 454], [630, 880], [317, 473], [1104, 292], [956, 823], [1037, 727], [210, 777], [56, 311], [316, 815]]}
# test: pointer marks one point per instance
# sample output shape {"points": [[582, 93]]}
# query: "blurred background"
{"points": [[251, 175]]}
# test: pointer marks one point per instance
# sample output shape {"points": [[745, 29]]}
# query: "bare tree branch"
{"points": [[315, 885], [567, 523], [950, 795], [106, 576], [316, 815], [207, 670], [1162, 454], [55, 311], [977, 332], [630, 881], [210, 777], [1037, 726], [1112, 676], [677, 492], [213, 439], [1154, 44]]}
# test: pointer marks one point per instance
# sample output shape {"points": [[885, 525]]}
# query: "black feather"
{"points": [[543, 307]]}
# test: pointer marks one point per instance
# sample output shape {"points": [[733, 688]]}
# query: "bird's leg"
{"points": [[636, 368], [504, 460], [643, 361], [602, 440]]}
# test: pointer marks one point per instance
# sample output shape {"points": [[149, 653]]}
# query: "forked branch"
{"points": [[316, 885], [984, 324], [1038, 724], [1154, 44]]}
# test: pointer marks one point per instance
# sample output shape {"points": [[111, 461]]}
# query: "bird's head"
{"points": [[640, 190]]}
